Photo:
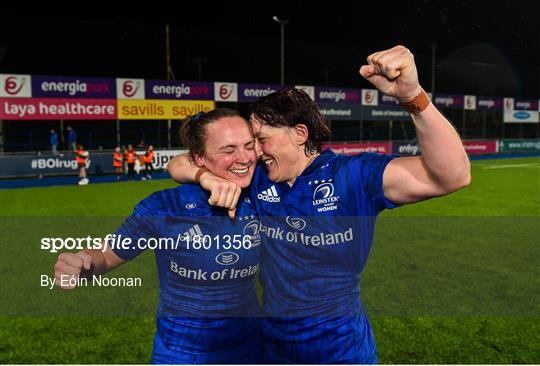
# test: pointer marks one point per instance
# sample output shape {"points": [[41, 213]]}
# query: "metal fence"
{"points": [[33, 136]]}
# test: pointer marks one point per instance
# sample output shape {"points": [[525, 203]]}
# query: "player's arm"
{"points": [[444, 166], [87, 261], [182, 169], [223, 192]]}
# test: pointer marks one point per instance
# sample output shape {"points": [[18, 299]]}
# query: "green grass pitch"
{"points": [[451, 280]]}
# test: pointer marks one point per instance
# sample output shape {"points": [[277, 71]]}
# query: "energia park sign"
{"points": [[38, 97]]}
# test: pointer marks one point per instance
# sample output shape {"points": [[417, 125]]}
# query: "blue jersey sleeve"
{"points": [[368, 169], [141, 223]]}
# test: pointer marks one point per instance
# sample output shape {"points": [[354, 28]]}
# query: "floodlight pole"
{"points": [[170, 75], [199, 61], [282, 23]]}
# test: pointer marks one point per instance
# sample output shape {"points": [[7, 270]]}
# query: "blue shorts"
{"points": [[321, 340], [248, 353], [270, 358]]}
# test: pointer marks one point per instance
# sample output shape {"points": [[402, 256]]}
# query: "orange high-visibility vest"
{"points": [[149, 157], [79, 158], [117, 159], [130, 157]]}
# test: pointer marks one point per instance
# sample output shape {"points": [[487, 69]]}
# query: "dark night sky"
{"points": [[483, 47]]}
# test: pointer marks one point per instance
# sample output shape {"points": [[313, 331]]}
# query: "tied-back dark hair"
{"points": [[193, 133], [290, 107]]}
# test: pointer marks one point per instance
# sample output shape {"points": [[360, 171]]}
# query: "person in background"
{"points": [[148, 159], [131, 156], [72, 139], [118, 163], [54, 142], [81, 156]]}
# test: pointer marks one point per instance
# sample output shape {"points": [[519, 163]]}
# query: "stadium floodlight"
{"points": [[282, 23]]}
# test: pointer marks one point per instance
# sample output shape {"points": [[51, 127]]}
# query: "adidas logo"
{"points": [[269, 195], [193, 233]]}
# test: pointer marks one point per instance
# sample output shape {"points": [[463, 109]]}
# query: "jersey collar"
{"points": [[321, 160]]}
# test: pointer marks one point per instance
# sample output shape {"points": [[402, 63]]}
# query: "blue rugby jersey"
{"points": [[317, 237], [207, 302]]}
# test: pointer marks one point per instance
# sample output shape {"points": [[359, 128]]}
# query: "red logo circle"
{"points": [[11, 87], [368, 97], [129, 89], [225, 91]]}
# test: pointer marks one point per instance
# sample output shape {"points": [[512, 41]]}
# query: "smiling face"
{"points": [[229, 150], [282, 149]]}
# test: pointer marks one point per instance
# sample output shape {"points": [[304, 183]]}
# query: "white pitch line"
{"points": [[527, 165]]}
